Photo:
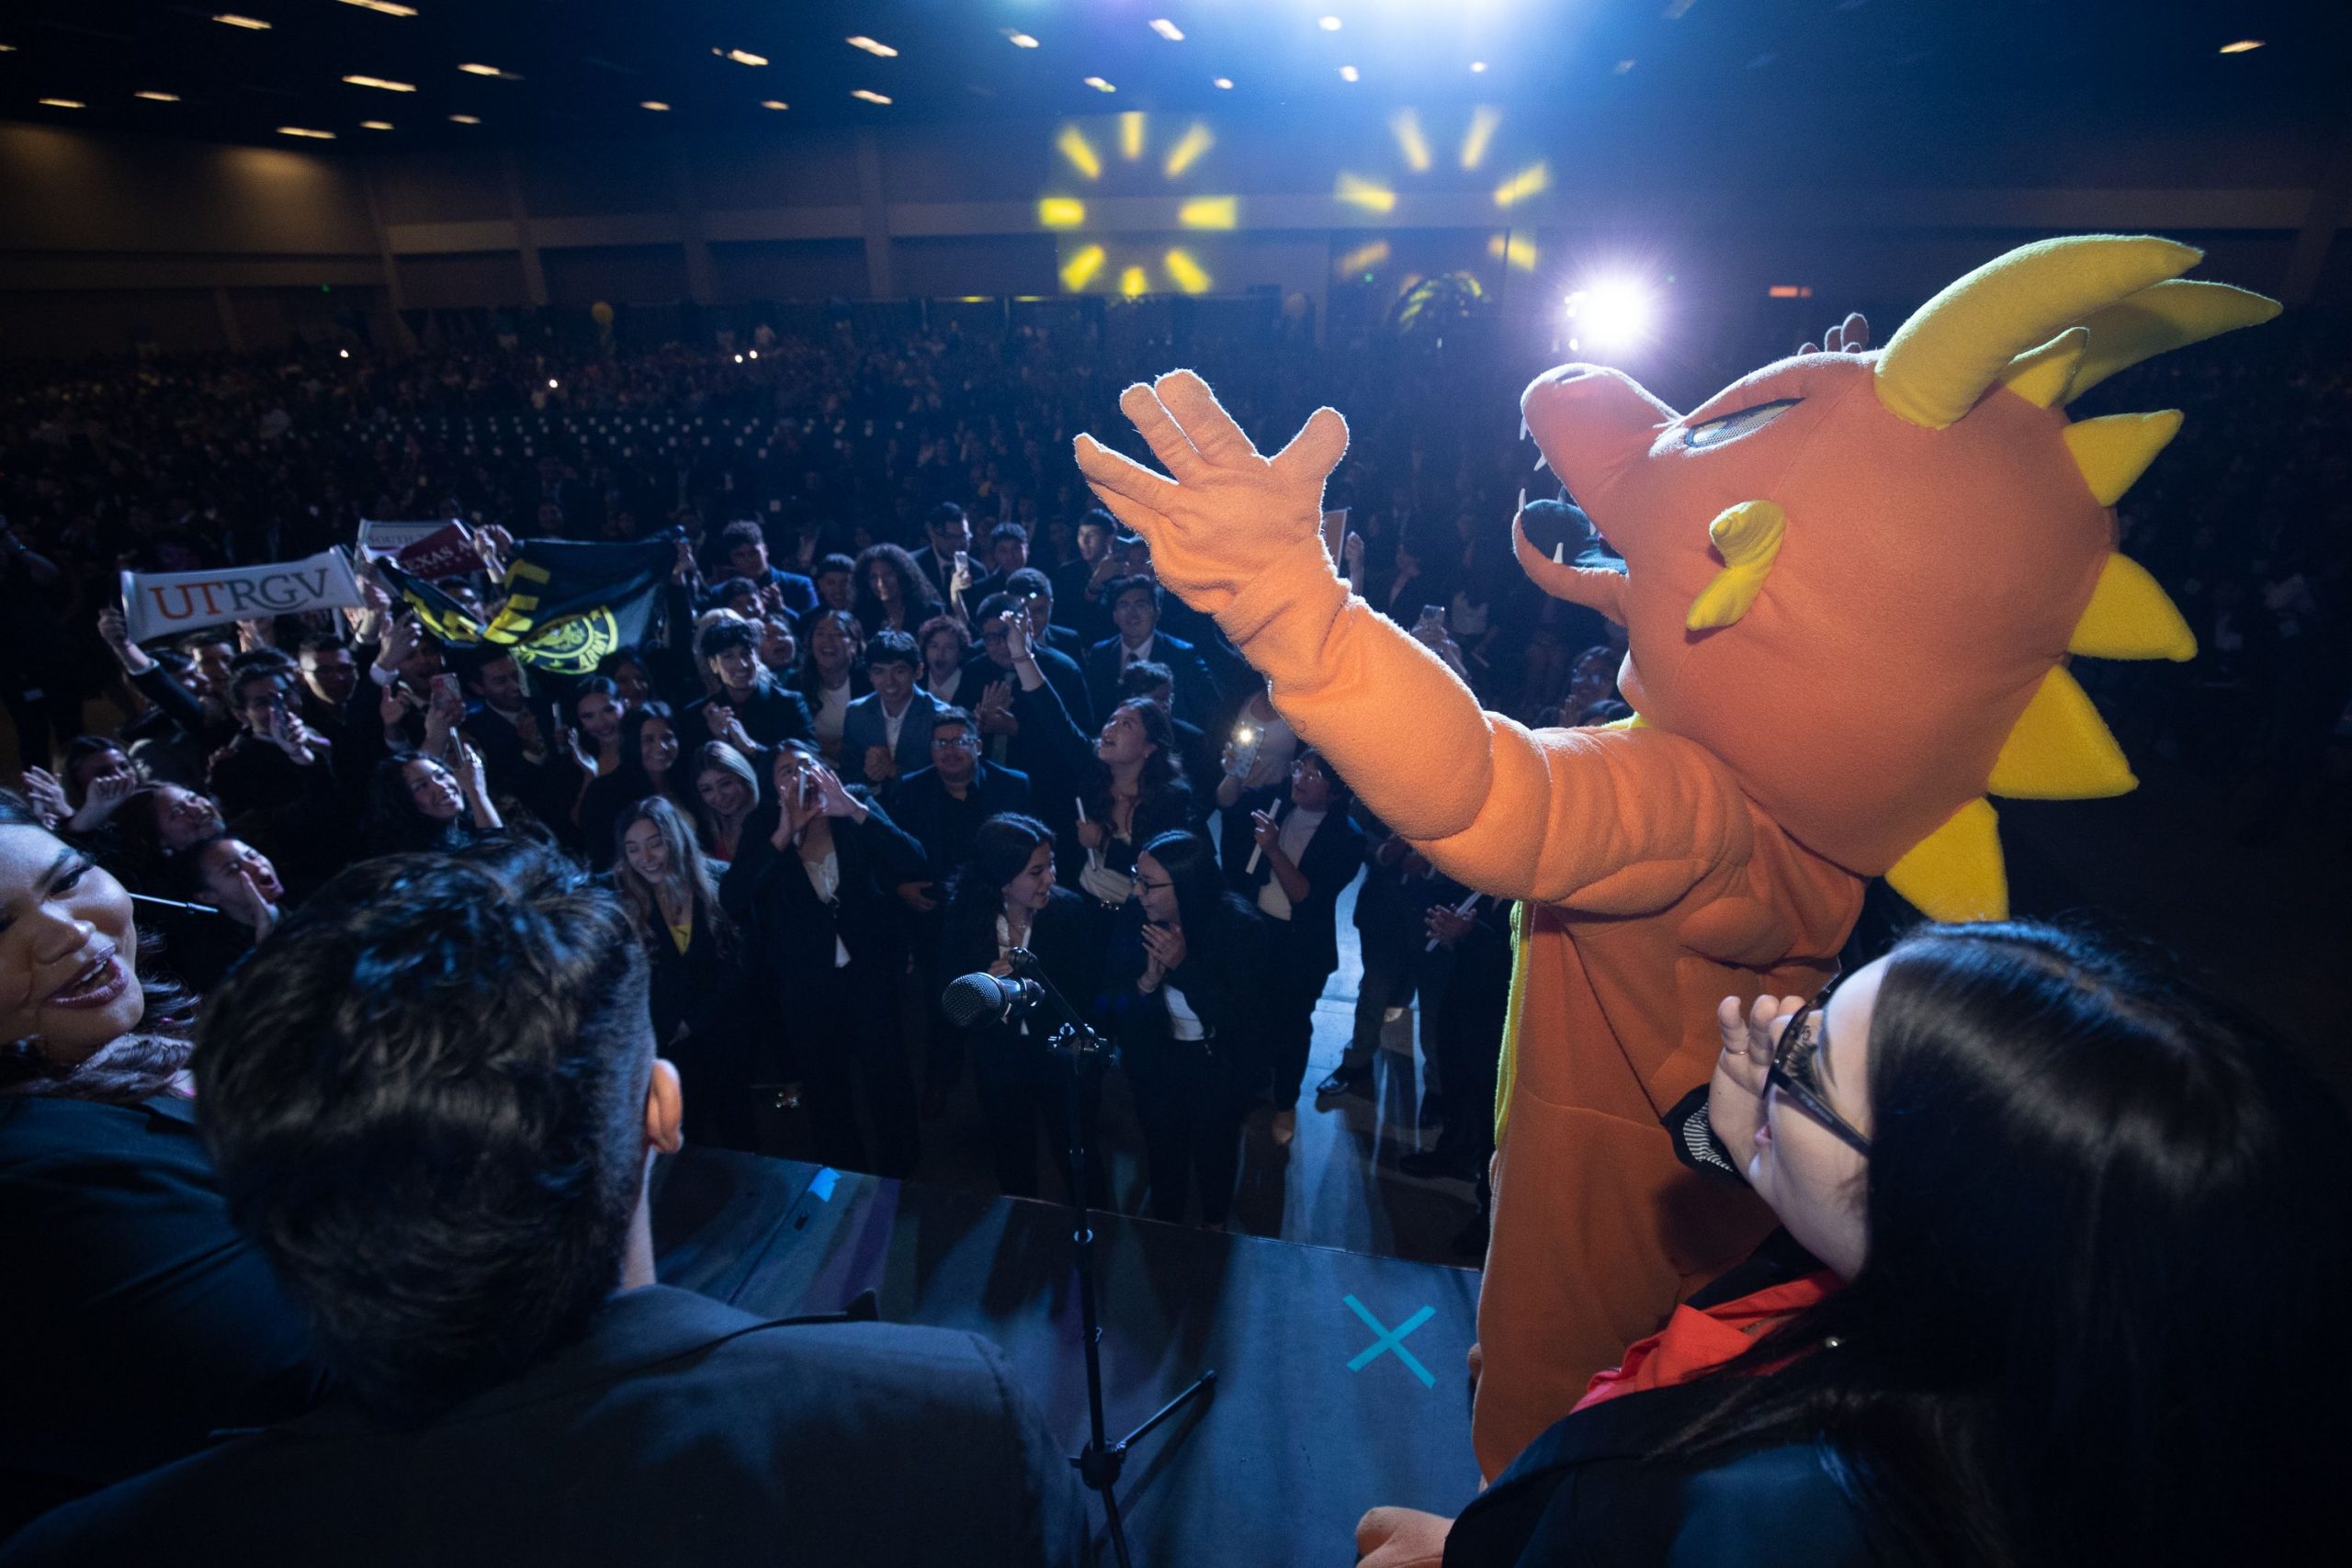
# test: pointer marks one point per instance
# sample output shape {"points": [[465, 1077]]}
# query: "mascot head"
{"points": [[1858, 577]]}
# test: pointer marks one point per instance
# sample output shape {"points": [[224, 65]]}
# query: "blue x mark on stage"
{"points": [[1391, 1340]]}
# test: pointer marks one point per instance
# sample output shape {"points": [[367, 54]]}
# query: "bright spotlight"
{"points": [[1612, 313]]}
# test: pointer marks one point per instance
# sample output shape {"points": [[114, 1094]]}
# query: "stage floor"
{"points": [[1340, 1377]]}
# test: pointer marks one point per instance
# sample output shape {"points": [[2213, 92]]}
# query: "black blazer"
{"points": [[1075, 773], [922, 806], [1226, 977], [1329, 863], [677, 1431], [1197, 698], [788, 934], [1068, 938], [774, 714], [140, 1319]]}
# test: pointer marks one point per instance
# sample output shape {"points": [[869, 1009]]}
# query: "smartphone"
{"points": [[1433, 619], [1335, 531], [1246, 740]]}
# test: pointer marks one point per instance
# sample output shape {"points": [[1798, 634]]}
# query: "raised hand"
{"points": [[1264, 831], [833, 797], [46, 796], [1735, 1093], [1227, 513], [568, 738]]}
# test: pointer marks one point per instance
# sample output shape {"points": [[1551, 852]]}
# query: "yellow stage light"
{"points": [[1168, 30], [1523, 185], [1187, 152], [305, 132], [1073, 144], [1223, 84], [158, 98], [1061, 212], [2244, 46], [64, 104], [251, 24], [1100, 85], [656, 105], [1131, 135], [1357, 191], [383, 8], [375, 125], [869, 95], [1409, 140], [774, 104], [1187, 272], [1516, 249], [1483, 121], [742, 56], [1019, 41], [1132, 282], [465, 119], [1210, 212], [1080, 270], [879, 51], [1362, 259], [379, 82]]}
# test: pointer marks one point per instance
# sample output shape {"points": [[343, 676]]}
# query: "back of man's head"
{"points": [[426, 1100]]}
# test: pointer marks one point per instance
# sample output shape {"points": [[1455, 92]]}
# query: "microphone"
{"points": [[975, 999]]}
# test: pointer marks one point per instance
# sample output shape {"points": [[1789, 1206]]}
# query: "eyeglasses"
{"points": [[1143, 887], [1797, 1071], [954, 743]]}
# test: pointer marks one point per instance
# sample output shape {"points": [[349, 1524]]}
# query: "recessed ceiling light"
{"points": [[477, 70], [251, 24], [1477, 65], [1019, 40], [869, 95], [656, 105], [7, 49], [1349, 73], [375, 125], [1328, 24], [158, 98], [879, 51], [65, 103], [1223, 84], [306, 133], [383, 8], [741, 56], [774, 104], [1100, 85], [379, 81], [465, 119], [2244, 46], [1168, 30]]}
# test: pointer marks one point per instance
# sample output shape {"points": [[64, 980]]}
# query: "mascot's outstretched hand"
{"points": [[1228, 515]]}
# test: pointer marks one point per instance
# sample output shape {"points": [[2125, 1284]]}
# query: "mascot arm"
{"points": [[1617, 822]]}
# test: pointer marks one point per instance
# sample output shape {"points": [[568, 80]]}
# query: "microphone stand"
{"points": [[1100, 1460]]}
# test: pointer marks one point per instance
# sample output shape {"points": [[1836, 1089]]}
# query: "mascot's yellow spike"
{"points": [[2115, 451], [1749, 535], [1956, 873], [2060, 749], [2043, 377], [2130, 617], [1941, 361], [2161, 318]]}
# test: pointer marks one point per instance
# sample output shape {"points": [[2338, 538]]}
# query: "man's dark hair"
{"points": [[322, 642], [949, 713], [1143, 677], [1096, 517], [724, 635], [1013, 531], [1027, 581], [253, 675], [891, 646], [1119, 587], [946, 514], [828, 564], [730, 589], [277, 660], [742, 531], [424, 1100], [994, 605]]}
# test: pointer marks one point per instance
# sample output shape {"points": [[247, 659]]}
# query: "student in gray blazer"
{"points": [[887, 733]]}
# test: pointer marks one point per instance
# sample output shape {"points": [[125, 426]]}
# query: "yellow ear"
{"points": [[1956, 873], [2042, 376], [1749, 535], [2115, 451], [2060, 749], [2160, 317], [2130, 617]]}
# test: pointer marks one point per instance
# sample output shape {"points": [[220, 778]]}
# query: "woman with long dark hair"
{"points": [[648, 748], [2065, 1245], [592, 739], [834, 676], [696, 961], [725, 792], [416, 801], [1130, 777], [1004, 897], [1183, 988], [815, 889], [145, 1320], [892, 591]]}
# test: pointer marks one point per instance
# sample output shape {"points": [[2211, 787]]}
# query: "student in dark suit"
{"points": [[1036, 593], [1299, 855], [769, 711], [516, 1387], [947, 533], [744, 544], [815, 885], [1078, 584], [515, 734], [142, 1319], [991, 680], [1134, 610], [887, 733], [1147, 678]]}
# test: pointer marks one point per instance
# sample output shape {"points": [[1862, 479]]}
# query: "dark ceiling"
{"points": [[587, 66]]}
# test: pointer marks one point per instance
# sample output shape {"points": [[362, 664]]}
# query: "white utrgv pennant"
{"points": [[161, 604]]}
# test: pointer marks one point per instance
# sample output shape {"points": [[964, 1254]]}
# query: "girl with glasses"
{"points": [[2064, 1248]]}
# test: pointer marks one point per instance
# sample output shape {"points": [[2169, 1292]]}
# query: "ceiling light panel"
{"points": [[879, 51]]}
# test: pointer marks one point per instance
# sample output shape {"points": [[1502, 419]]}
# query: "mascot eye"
{"points": [[1732, 426]]}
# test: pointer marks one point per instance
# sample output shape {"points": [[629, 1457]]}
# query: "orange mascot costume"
{"points": [[1851, 585]]}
